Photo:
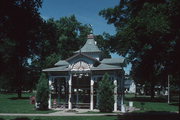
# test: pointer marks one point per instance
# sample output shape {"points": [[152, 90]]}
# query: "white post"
{"points": [[49, 101], [115, 95], [97, 99], [91, 94], [70, 84], [123, 107]]}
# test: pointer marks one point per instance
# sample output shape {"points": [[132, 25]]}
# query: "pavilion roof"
{"points": [[106, 67], [61, 63], [81, 54], [113, 60], [61, 68], [90, 45]]}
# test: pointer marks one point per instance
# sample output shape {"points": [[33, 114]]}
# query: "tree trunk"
{"points": [[179, 92], [178, 82], [19, 85], [19, 93], [19, 78], [179, 102], [152, 90]]}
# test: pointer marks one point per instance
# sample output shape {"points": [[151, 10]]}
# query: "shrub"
{"points": [[106, 94], [42, 95]]}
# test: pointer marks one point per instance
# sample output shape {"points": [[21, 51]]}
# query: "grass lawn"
{"points": [[10, 104], [97, 112], [146, 104], [62, 118]]}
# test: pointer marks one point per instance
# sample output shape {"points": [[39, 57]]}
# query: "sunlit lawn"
{"points": [[157, 104], [10, 104]]}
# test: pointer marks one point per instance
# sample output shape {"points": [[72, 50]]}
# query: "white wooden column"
{"points": [[123, 107], [50, 86], [115, 94], [70, 85], [92, 94]]}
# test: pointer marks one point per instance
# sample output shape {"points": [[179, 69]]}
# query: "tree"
{"points": [[19, 21], [102, 41], [143, 30], [148, 29], [72, 35], [106, 94], [42, 92], [59, 39]]}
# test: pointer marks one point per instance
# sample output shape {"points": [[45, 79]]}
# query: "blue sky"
{"points": [[86, 11]]}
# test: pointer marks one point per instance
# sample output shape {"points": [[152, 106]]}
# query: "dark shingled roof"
{"points": [[81, 54], [106, 67], [61, 68], [61, 63], [90, 46], [113, 60]]}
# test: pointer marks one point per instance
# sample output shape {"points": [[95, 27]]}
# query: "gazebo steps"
{"points": [[82, 105], [79, 105]]}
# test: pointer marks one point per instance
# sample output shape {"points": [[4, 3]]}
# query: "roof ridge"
{"points": [[82, 55]]}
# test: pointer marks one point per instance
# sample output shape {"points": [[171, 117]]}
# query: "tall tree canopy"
{"points": [[28, 43], [19, 19], [148, 33], [60, 39]]}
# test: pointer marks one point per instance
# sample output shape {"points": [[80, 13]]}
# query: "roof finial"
{"points": [[91, 32], [90, 36]]}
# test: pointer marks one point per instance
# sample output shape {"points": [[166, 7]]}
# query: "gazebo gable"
{"points": [[82, 57], [81, 66]]}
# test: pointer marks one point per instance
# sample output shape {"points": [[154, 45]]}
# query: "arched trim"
{"points": [[81, 66]]}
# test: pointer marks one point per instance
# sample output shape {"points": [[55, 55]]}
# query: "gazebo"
{"points": [[73, 82]]}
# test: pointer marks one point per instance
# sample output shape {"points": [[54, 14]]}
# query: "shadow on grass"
{"points": [[22, 118], [16, 98], [175, 104], [151, 115]]}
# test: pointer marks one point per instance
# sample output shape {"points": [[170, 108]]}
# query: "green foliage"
{"points": [[51, 59], [106, 94], [20, 20], [102, 42], [59, 39], [42, 92], [148, 34], [71, 32]]}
